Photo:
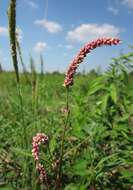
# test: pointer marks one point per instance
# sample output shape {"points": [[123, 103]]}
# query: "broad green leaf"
{"points": [[105, 101], [113, 92], [96, 85]]}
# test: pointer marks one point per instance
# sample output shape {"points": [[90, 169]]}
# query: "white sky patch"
{"points": [[2, 58], [40, 46], [86, 32], [69, 47], [128, 3], [31, 4], [113, 10], [3, 31], [19, 32], [50, 26]]}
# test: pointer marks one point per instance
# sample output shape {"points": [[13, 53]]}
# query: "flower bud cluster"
{"points": [[40, 138]]}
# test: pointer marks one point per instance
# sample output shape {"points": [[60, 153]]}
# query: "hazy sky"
{"points": [[58, 28]]}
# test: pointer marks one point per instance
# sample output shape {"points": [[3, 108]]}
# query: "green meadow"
{"points": [[98, 141]]}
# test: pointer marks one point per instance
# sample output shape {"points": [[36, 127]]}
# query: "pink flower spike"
{"points": [[82, 54], [37, 140], [42, 172], [40, 138]]}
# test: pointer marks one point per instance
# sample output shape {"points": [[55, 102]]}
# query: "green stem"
{"points": [[63, 135], [25, 143], [51, 157]]}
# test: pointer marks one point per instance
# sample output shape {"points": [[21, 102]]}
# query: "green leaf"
{"points": [[100, 163], [71, 187], [80, 168], [52, 144], [74, 187], [6, 188], [128, 174], [23, 152], [96, 85], [113, 92], [105, 101]]}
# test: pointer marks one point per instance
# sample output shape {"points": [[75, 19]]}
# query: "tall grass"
{"points": [[42, 64], [12, 35], [21, 59]]}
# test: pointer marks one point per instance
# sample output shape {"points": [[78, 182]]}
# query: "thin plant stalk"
{"points": [[34, 84], [21, 59], [59, 176], [1, 69], [42, 65]]}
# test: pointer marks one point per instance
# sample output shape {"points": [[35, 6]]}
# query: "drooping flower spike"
{"points": [[82, 54], [40, 138]]}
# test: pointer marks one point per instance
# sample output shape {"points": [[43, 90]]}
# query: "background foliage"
{"points": [[98, 149]]}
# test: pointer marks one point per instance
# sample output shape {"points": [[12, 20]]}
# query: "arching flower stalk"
{"points": [[40, 138], [82, 54]]}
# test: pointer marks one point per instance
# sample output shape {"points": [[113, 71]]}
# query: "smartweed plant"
{"points": [[67, 83]]}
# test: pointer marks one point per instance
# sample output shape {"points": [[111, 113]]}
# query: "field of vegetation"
{"points": [[73, 137], [98, 141]]}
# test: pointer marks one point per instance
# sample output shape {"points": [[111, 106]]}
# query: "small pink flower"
{"points": [[37, 140], [82, 54], [40, 138], [42, 172], [65, 110]]}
